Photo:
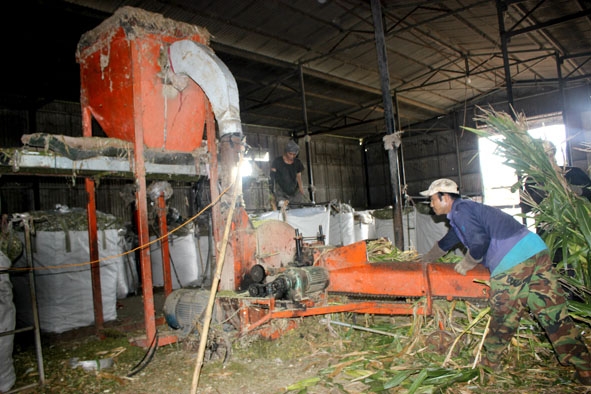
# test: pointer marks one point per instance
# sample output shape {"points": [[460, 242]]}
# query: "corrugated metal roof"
{"points": [[441, 54]]}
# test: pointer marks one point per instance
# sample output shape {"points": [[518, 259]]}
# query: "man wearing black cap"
{"points": [[286, 177], [522, 277]]}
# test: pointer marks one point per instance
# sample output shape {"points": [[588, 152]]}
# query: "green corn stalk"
{"points": [[564, 216]]}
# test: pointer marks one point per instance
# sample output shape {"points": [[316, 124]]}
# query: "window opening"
{"points": [[498, 178]]}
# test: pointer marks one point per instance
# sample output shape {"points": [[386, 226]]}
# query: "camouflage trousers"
{"points": [[533, 286]]}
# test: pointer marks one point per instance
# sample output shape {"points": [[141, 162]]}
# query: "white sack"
{"points": [[385, 229], [342, 229], [430, 229], [128, 281], [364, 226], [7, 323], [185, 261], [64, 293], [306, 220]]}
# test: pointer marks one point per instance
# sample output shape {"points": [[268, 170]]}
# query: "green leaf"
{"points": [[303, 384], [398, 379], [418, 381]]}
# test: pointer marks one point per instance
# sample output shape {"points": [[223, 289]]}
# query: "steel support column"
{"points": [[501, 8], [141, 203], [307, 138], [376, 10], [164, 245], [95, 269], [559, 62]]}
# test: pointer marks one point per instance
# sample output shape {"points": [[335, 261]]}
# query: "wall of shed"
{"points": [[578, 126], [337, 168], [443, 154], [343, 169], [427, 155], [442, 148]]}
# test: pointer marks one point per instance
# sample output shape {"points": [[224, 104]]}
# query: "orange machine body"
{"points": [[124, 81], [360, 286]]}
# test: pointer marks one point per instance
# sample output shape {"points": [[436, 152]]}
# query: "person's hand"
{"points": [[466, 264], [578, 190], [433, 255]]}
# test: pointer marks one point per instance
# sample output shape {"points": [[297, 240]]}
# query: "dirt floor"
{"points": [[266, 367], [313, 358]]}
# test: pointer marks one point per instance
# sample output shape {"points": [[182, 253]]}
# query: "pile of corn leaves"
{"points": [[440, 353], [564, 216]]}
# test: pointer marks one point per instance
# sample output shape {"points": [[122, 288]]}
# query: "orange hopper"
{"points": [[126, 81]]}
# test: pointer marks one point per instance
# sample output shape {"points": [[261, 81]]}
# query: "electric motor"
{"points": [[295, 283], [184, 307]]}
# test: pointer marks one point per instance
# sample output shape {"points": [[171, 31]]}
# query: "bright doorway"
{"points": [[498, 178]]}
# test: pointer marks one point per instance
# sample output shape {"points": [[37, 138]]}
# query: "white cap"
{"points": [[442, 185]]}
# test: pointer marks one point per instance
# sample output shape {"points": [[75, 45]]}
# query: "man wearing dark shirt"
{"points": [[286, 177]]}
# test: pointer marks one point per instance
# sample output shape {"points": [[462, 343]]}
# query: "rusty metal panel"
{"points": [[435, 155], [59, 117], [419, 145], [12, 124], [472, 184], [337, 168]]}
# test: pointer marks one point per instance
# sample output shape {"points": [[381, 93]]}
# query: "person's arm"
{"points": [[441, 247], [448, 242], [434, 254], [579, 182], [300, 184], [272, 175], [466, 264]]}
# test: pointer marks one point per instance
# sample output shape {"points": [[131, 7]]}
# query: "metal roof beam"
{"points": [[551, 22]]}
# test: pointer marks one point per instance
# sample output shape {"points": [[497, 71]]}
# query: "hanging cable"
{"points": [[148, 356]]}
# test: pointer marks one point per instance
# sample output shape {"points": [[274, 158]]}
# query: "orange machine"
{"points": [[155, 82], [129, 87], [286, 277]]}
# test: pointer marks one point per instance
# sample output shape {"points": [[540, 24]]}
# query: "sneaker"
{"points": [[584, 377]]}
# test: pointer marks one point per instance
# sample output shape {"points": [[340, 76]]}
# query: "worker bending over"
{"points": [[522, 275]]}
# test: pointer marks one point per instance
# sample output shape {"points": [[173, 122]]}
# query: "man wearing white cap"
{"points": [[522, 275]]}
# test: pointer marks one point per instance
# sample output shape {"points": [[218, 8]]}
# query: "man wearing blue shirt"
{"points": [[522, 275]]}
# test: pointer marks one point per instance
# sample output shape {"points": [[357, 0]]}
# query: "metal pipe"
{"points": [[307, 139], [200, 63], [376, 10], [400, 128], [33, 294], [95, 267], [501, 7], [366, 172], [356, 327]]}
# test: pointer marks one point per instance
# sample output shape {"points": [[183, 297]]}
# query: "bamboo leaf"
{"points": [[418, 381], [303, 384], [398, 379]]}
